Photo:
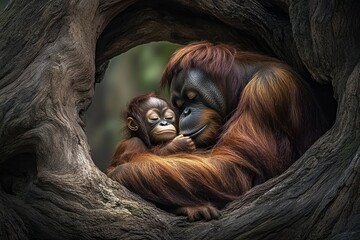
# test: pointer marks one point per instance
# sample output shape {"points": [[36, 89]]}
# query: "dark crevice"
{"points": [[324, 94], [17, 173], [277, 9]]}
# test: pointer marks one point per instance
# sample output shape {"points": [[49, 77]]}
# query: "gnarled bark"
{"points": [[49, 55]]}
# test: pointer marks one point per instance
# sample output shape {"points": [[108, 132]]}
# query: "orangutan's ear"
{"points": [[132, 124]]}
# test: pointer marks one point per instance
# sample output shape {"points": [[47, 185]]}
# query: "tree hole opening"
{"points": [[136, 72]]}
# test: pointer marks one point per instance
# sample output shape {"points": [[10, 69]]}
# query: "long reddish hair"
{"points": [[232, 69], [272, 118]]}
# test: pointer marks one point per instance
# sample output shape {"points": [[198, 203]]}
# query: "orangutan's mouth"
{"points": [[167, 131], [196, 132]]}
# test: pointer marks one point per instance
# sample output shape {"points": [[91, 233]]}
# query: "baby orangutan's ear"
{"points": [[132, 124]]}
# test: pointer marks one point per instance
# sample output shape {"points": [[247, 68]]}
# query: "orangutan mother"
{"points": [[253, 114]]}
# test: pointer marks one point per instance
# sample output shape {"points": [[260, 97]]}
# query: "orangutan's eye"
{"points": [[152, 116], [179, 102], [169, 114], [191, 94]]}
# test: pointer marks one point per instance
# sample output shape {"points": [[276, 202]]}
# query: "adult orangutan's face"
{"points": [[201, 106]]}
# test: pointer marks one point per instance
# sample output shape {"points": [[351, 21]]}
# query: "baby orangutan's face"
{"points": [[161, 121]]}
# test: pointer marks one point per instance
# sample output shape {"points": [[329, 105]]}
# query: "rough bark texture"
{"points": [[49, 55]]}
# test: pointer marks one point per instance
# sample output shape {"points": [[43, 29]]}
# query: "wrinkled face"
{"points": [[201, 105], [160, 120]]}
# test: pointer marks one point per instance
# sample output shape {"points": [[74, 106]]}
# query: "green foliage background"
{"points": [[3, 4]]}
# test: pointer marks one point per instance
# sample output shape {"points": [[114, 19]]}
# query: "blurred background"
{"points": [[135, 72], [3, 4]]}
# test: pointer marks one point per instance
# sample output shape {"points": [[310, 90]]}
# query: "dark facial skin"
{"points": [[160, 120], [201, 104]]}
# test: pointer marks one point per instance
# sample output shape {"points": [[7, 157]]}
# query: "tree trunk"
{"points": [[50, 53]]}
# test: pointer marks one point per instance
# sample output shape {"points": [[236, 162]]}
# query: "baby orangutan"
{"points": [[152, 127]]}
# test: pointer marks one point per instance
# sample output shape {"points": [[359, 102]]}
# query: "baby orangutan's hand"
{"points": [[183, 144]]}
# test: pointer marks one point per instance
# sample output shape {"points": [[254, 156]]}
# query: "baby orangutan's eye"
{"points": [[169, 115], [152, 116]]}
